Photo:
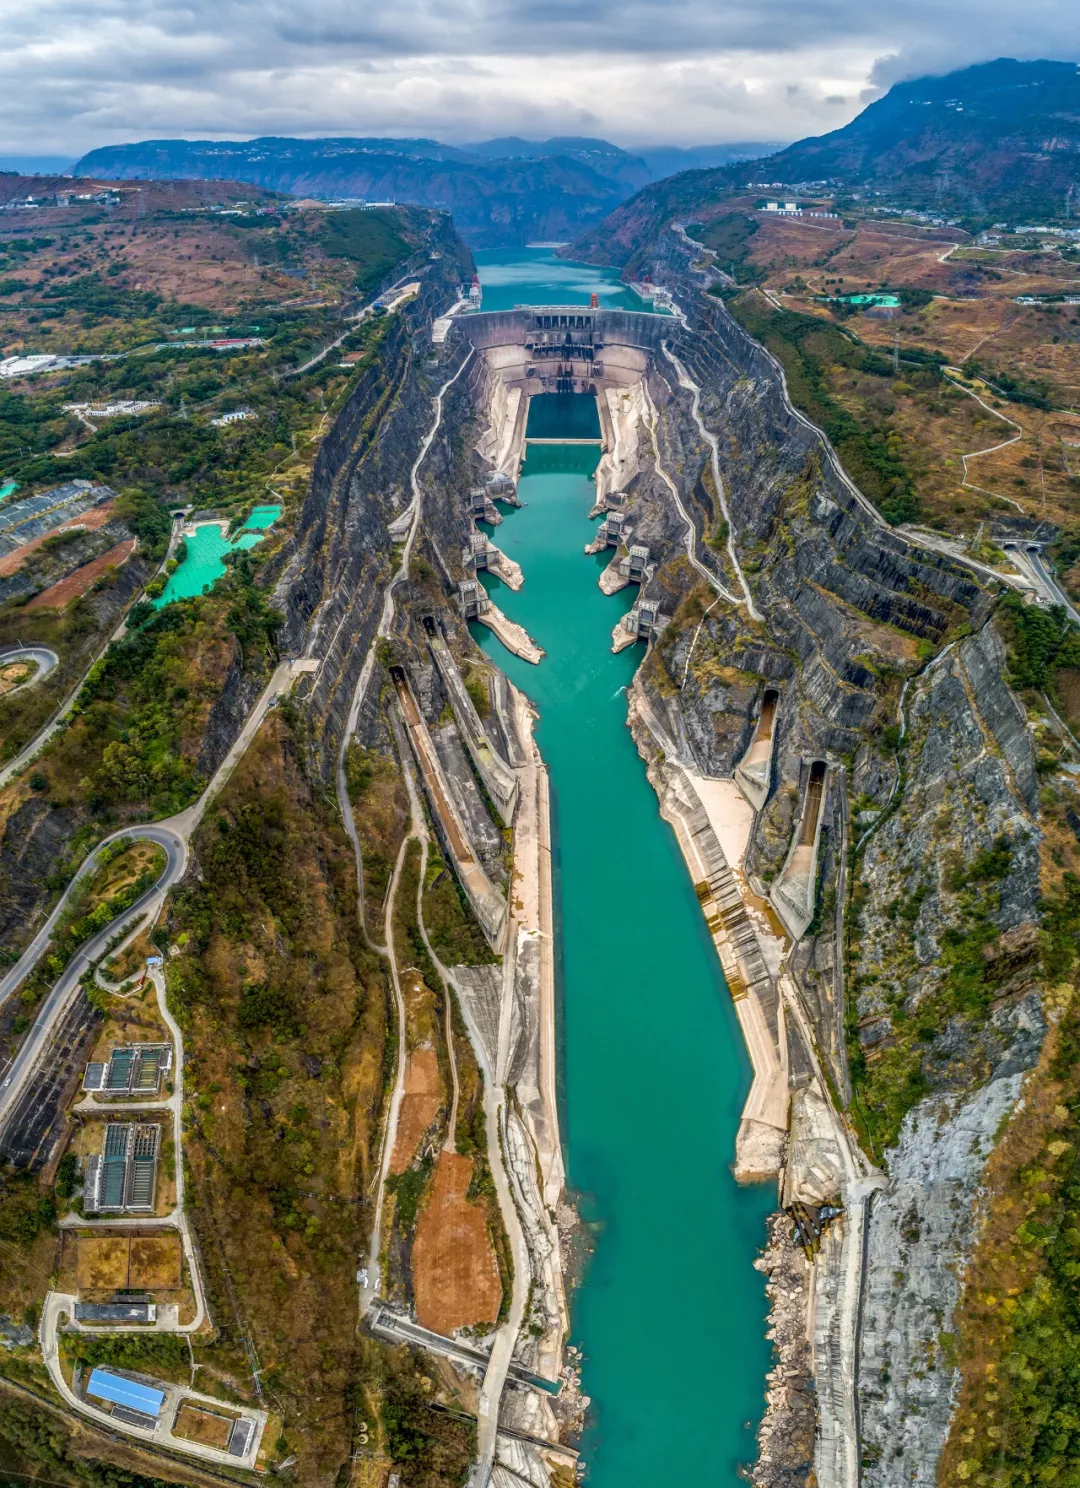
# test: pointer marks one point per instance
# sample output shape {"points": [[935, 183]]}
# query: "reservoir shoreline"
{"points": [[653, 1067]]}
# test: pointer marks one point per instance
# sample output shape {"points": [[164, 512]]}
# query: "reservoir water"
{"points": [[670, 1313]]}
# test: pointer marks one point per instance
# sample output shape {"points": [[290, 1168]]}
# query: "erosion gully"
{"points": [[670, 1312]]}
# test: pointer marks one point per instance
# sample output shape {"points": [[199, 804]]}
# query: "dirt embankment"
{"points": [[455, 1273]]}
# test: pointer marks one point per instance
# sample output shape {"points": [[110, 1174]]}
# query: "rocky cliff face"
{"points": [[331, 575], [946, 997], [942, 1000]]}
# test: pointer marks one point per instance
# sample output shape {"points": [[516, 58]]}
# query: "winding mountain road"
{"points": [[173, 834]]}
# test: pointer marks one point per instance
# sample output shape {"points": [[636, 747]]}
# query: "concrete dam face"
{"points": [[535, 349], [566, 348]]}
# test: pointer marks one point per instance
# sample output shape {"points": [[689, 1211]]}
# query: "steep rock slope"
{"points": [[943, 997]]}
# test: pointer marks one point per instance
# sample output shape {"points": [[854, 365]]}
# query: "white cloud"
{"points": [[79, 73]]}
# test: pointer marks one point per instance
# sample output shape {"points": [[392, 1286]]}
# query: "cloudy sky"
{"points": [[79, 73]]}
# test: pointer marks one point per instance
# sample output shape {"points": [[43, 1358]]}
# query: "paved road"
{"points": [[173, 835], [1050, 585], [44, 656], [688, 383], [690, 539], [58, 1000]]}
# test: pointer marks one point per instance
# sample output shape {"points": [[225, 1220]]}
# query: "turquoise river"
{"points": [[670, 1313]]}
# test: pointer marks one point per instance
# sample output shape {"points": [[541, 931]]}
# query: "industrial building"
{"points": [[123, 1178], [115, 1312], [131, 1069], [132, 1402]]}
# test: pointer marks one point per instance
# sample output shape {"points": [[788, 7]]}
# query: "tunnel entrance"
{"points": [[814, 788]]}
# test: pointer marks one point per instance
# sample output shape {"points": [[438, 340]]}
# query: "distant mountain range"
{"points": [[999, 140], [501, 193], [1000, 137]]}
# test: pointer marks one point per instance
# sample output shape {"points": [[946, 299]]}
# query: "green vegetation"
{"points": [[25, 1211], [1042, 642], [408, 1189], [807, 347], [1018, 1425], [455, 934], [34, 1446], [730, 238], [80, 921], [138, 708], [1035, 394], [425, 1448], [139, 1351], [888, 1083], [380, 809], [371, 240], [476, 685]]}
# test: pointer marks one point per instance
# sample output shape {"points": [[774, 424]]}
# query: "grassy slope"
{"points": [[286, 1014]]}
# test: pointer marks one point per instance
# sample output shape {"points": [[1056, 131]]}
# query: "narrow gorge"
{"points": [[822, 708]]}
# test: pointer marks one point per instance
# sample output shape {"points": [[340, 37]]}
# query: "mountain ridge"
{"points": [[1000, 138], [501, 193]]}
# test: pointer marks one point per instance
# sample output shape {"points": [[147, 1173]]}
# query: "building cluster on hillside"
{"points": [[31, 203], [234, 416], [28, 366], [117, 408], [792, 209]]}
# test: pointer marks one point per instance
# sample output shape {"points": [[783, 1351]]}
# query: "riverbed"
{"points": [[671, 1313]]}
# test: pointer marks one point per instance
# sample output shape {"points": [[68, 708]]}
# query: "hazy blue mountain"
{"points": [[1001, 137], [501, 192], [37, 165], [495, 200], [666, 160]]}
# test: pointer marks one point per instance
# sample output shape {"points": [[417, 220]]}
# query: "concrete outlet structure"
{"points": [[753, 773], [794, 890]]}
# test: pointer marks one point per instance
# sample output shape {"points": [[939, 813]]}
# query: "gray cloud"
{"points": [[77, 73]]}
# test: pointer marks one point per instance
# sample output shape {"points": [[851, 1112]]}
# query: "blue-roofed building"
{"points": [[131, 1394]]}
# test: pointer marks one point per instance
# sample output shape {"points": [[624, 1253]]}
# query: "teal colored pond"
{"points": [[563, 416], [888, 300], [206, 548], [671, 1313], [534, 276]]}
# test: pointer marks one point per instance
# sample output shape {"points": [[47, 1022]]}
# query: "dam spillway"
{"points": [[670, 1313]]}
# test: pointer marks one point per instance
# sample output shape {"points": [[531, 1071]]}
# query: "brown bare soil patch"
{"points": [[60, 595], [155, 1262], [102, 1263], [455, 1274], [90, 521], [15, 674], [419, 1104], [198, 1424]]}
